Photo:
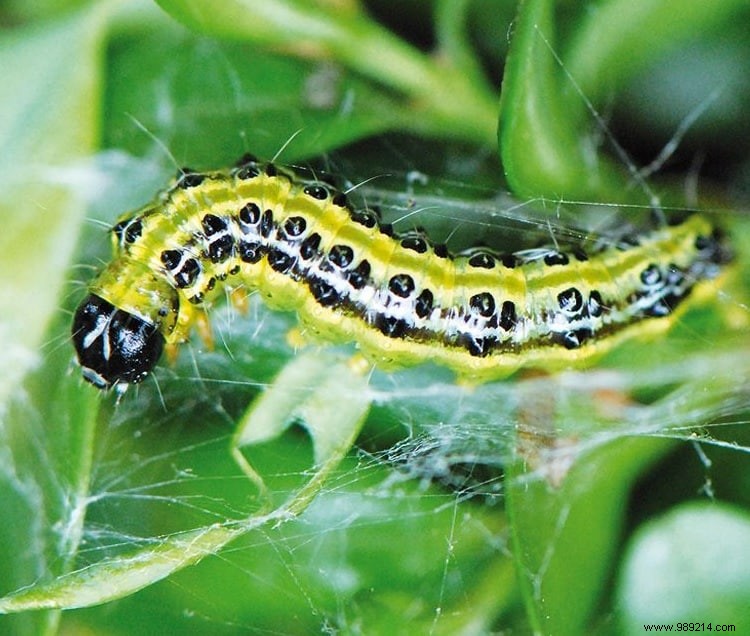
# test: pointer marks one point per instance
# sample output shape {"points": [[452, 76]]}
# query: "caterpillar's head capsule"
{"points": [[114, 346]]}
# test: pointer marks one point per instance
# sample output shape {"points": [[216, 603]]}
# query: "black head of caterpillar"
{"points": [[114, 346], [401, 298], [121, 343]]}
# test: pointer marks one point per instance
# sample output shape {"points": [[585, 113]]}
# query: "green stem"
{"points": [[445, 94], [450, 98]]}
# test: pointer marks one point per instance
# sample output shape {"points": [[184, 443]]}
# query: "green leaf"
{"points": [[256, 107], [442, 97], [333, 426], [49, 119], [688, 565], [566, 516], [108, 580], [544, 150], [619, 38], [49, 122], [301, 394], [569, 481], [46, 451], [552, 92]]}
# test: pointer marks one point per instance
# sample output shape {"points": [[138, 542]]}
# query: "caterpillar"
{"points": [[402, 298]]}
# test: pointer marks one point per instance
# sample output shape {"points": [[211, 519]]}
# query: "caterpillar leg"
{"points": [[297, 339], [203, 327], [239, 298], [199, 321]]}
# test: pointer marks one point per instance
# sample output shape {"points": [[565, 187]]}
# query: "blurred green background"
{"points": [[584, 503]]}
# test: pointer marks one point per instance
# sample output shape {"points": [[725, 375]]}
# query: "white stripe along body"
{"points": [[401, 298]]}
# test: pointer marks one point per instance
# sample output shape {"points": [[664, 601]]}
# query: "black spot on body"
{"points": [[556, 258], [171, 258], [628, 241], [341, 256], [251, 251], [367, 218], [295, 226], [479, 347], [423, 304], [675, 275], [483, 303], [213, 224], [309, 247], [509, 260], [359, 276], [584, 334], [325, 294], [128, 231], [482, 260], [316, 191], [570, 300], [266, 223], [703, 242], [508, 316], [651, 276], [270, 170], [188, 178], [134, 231], [280, 261], [441, 250], [187, 274], [339, 199], [247, 170], [250, 214], [572, 339], [401, 285], [595, 305], [659, 309], [221, 248], [414, 243], [391, 326]]}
